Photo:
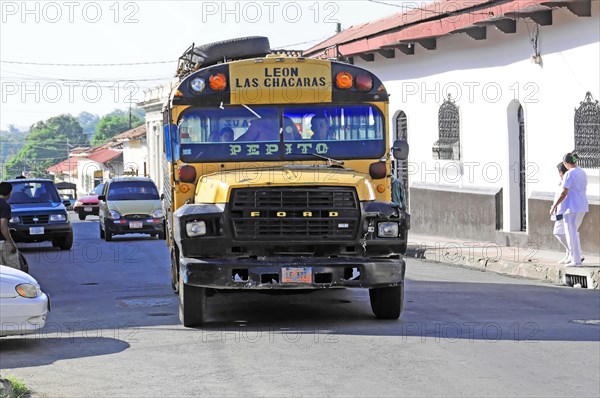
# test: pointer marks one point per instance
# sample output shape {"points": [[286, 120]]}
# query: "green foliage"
{"points": [[19, 388], [114, 123], [11, 142], [46, 145]]}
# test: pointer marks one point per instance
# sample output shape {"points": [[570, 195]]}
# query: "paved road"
{"points": [[114, 331]]}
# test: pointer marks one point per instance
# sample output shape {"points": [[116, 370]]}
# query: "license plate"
{"points": [[136, 224], [36, 231], [87, 209], [296, 275]]}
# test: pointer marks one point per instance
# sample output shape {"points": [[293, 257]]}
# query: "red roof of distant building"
{"points": [[64, 166], [103, 155], [132, 134]]}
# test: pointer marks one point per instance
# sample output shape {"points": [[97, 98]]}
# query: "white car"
{"points": [[23, 305]]}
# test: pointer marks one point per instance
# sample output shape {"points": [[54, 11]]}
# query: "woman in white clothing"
{"points": [[559, 226], [574, 205]]}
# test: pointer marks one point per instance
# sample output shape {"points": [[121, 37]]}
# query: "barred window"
{"points": [[448, 145], [587, 133]]}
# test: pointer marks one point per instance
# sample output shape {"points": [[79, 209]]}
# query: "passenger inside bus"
{"points": [[320, 128], [225, 135]]}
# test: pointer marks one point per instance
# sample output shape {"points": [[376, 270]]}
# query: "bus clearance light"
{"points": [[364, 82], [343, 80], [218, 82]]}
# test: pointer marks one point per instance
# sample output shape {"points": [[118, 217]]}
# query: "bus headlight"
{"points": [[388, 229], [198, 84], [195, 228]]}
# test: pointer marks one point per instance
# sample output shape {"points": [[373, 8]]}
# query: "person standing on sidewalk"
{"points": [[574, 205], [559, 226], [9, 255]]}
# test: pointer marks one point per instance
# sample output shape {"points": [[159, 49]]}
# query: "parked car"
{"points": [[131, 205], [38, 213], [23, 305], [88, 205]]}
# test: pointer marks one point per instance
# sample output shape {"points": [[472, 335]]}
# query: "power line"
{"points": [[114, 64], [56, 80]]}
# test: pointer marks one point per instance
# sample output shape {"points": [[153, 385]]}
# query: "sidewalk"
{"points": [[528, 262]]}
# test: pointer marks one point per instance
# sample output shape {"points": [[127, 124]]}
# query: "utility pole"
{"points": [[69, 159], [130, 115]]}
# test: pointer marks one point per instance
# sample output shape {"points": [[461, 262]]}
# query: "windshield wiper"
{"points": [[330, 161]]}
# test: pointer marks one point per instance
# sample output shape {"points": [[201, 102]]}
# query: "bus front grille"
{"points": [[284, 214]]}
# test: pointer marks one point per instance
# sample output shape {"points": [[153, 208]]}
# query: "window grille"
{"points": [[587, 133], [448, 145]]}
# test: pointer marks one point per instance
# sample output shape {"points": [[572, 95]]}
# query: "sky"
{"points": [[71, 56]]}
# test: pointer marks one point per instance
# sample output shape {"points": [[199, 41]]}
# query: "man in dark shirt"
{"points": [[9, 255]]}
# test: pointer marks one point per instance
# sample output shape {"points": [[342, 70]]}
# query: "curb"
{"points": [[588, 277]]}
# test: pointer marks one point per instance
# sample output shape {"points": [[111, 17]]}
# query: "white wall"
{"points": [[135, 156], [485, 77]]}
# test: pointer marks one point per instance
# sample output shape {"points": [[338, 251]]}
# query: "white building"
{"points": [[154, 101], [486, 93]]}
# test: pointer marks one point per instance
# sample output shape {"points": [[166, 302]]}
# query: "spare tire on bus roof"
{"points": [[243, 47]]}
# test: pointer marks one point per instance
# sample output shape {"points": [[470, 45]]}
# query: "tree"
{"points": [[11, 142], [46, 145], [113, 124]]}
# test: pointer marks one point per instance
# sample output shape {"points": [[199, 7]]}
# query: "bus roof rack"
{"points": [[196, 57]]}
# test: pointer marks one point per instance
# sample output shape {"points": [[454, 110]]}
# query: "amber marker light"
{"points": [[343, 80], [381, 188], [218, 82], [184, 189]]}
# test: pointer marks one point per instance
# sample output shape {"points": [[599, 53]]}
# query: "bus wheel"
{"points": [[243, 47], [174, 270], [192, 304], [387, 302]]}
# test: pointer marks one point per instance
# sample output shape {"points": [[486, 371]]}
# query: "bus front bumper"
{"points": [[297, 273]]}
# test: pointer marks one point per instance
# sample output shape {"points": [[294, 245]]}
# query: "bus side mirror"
{"points": [[170, 130], [400, 150]]}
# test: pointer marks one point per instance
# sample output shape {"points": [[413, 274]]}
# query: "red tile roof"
{"points": [[103, 155], [434, 20], [64, 166], [132, 134]]}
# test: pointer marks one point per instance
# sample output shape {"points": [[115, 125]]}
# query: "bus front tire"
{"points": [[192, 304], [387, 302]]}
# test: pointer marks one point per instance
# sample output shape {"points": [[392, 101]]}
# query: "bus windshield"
{"points": [[243, 133]]}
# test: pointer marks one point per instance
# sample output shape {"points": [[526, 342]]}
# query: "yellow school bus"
{"points": [[278, 177]]}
